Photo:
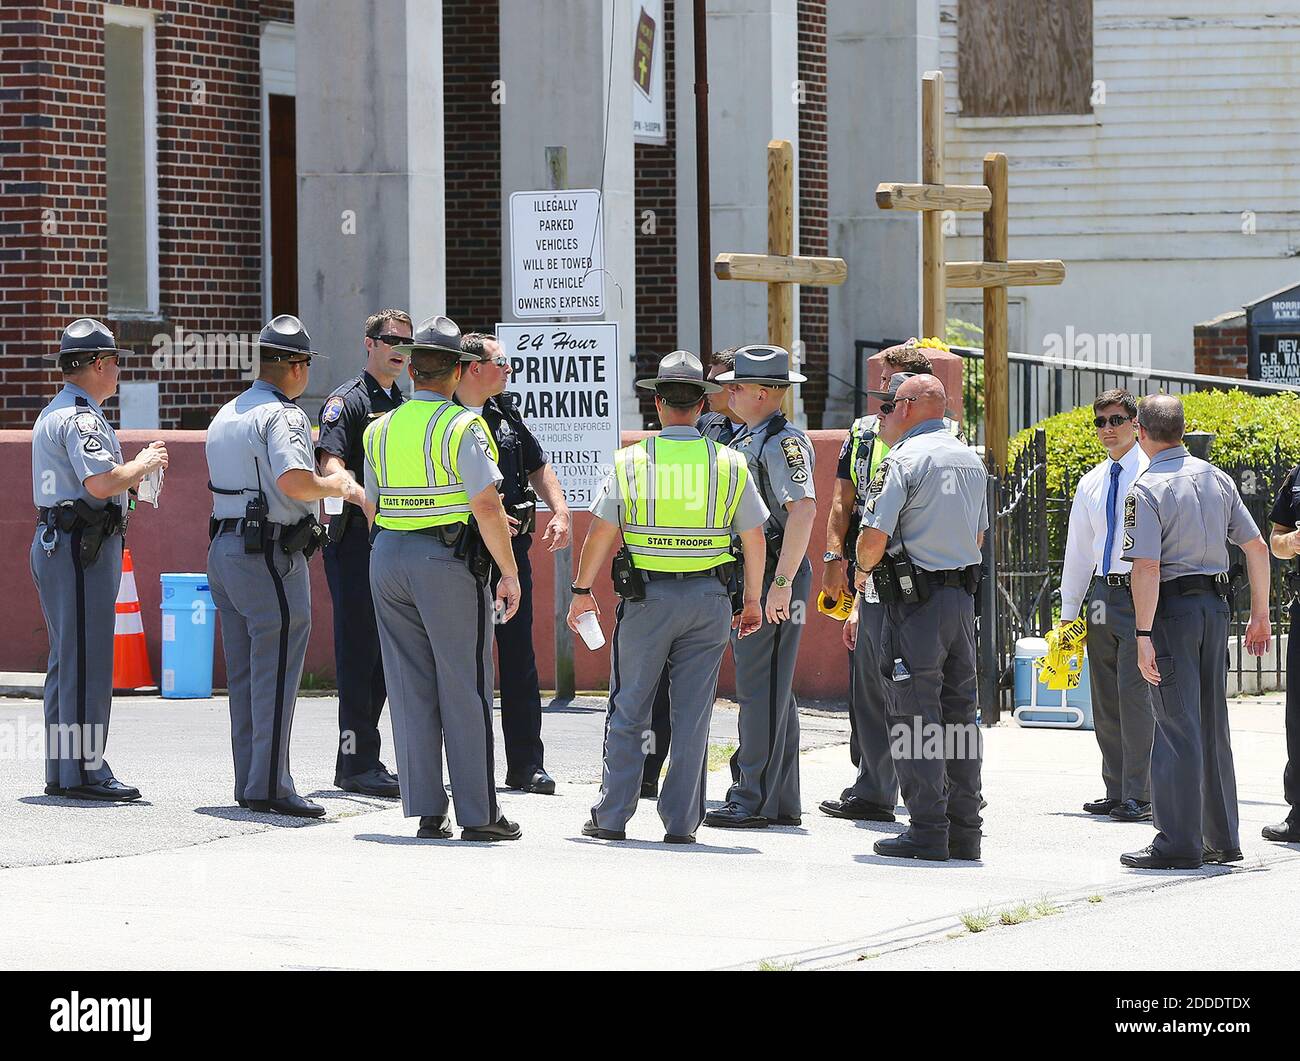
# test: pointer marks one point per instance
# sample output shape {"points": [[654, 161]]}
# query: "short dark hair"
{"points": [[475, 343], [376, 322], [1163, 417], [679, 395], [1116, 396], [908, 358], [433, 364], [726, 357]]}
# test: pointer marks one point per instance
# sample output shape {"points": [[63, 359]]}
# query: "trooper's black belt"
{"points": [[449, 533], [954, 578], [1116, 580], [719, 572], [65, 518], [1185, 585], [233, 525]]}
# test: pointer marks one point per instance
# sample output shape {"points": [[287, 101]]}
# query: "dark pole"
{"points": [[702, 181]]}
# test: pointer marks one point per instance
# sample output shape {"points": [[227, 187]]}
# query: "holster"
{"points": [[338, 525], [304, 537], [628, 581], [774, 539], [471, 549], [95, 525], [526, 512], [736, 578]]}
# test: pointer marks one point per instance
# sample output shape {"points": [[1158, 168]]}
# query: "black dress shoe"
{"points": [[1131, 811], [51, 789], [536, 781], [1149, 858], [291, 806], [650, 789], [1101, 806], [679, 838], [856, 809], [1213, 857], [1282, 833], [243, 803], [434, 827], [372, 783], [590, 828], [501, 829], [109, 791], [905, 847], [965, 849], [734, 816], [788, 819]]}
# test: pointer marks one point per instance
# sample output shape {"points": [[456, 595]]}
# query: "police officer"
{"points": [[1284, 541], [80, 487], [1177, 522], [679, 498], [717, 423], [357, 664], [430, 467], [526, 475], [923, 524], [265, 496], [765, 768]]}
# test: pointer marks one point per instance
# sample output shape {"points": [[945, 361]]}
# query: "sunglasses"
{"points": [[500, 361], [389, 339], [889, 407], [1114, 420]]}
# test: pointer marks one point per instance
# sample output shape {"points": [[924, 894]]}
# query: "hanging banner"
{"points": [[649, 110]]}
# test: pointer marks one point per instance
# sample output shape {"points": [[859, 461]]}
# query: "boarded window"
{"points": [[1023, 57]]}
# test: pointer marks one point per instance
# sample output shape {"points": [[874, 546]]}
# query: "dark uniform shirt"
{"points": [[520, 454], [718, 427], [1286, 509], [345, 415]]}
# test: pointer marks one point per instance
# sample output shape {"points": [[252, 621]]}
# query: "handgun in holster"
{"points": [[736, 577], [627, 579], [471, 548], [1234, 581], [304, 537], [95, 525], [773, 540], [338, 525]]}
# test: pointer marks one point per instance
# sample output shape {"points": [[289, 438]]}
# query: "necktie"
{"points": [[1111, 496]]}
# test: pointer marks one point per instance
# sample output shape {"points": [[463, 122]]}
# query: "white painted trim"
{"points": [[278, 65], [1028, 121], [144, 20]]}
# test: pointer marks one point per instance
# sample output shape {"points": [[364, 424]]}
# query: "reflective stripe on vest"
{"points": [[415, 453], [679, 499]]}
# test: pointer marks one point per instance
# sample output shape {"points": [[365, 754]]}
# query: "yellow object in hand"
{"points": [[836, 609], [1062, 667]]}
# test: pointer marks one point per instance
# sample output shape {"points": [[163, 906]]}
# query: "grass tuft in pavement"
{"points": [[766, 966], [978, 922]]}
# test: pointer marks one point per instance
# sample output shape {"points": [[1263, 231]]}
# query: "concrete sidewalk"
{"points": [[359, 891]]}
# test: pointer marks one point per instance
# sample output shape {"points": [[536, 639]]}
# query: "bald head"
{"points": [[930, 397], [1161, 417]]}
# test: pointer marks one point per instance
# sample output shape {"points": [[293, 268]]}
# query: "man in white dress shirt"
{"points": [[1121, 698]]}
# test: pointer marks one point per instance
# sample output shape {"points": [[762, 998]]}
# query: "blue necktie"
{"points": [[1111, 496]]}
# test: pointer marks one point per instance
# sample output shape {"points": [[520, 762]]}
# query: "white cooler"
{"points": [[1037, 705]]}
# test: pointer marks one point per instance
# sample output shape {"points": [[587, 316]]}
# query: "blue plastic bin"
{"points": [[189, 621], [1036, 704]]}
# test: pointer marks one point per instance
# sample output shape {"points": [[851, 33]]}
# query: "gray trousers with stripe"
{"points": [[77, 601], [877, 781], [686, 625], [765, 768], [435, 635], [264, 600]]}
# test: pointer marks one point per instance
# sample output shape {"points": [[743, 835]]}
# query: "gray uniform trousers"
{"points": [[936, 642], [686, 624], [435, 636], [78, 604], [1121, 698], [1193, 783], [877, 781], [765, 768], [264, 600]]}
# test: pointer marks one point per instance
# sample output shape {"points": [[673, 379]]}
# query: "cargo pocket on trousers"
{"points": [[1167, 697]]}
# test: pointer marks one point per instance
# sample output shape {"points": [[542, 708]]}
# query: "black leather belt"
{"points": [[233, 525], [665, 576], [449, 534], [955, 578], [1185, 585], [1116, 580]]}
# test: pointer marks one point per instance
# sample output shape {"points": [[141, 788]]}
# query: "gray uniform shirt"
{"points": [[929, 493], [259, 435], [750, 510], [71, 441], [781, 463], [477, 468], [1183, 511]]}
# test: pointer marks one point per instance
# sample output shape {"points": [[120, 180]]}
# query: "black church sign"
{"points": [[1273, 333]]}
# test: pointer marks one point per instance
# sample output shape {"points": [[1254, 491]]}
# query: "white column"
{"points": [[559, 85], [877, 54], [371, 213]]}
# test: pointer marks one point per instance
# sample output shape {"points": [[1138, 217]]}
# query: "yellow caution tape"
{"points": [[1062, 667]]}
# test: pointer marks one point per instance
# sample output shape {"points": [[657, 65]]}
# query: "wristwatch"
{"points": [[579, 591], [1143, 633], [829, 557], [780, 581]]}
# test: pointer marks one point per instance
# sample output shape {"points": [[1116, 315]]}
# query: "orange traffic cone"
{"points": [[131, 669]]}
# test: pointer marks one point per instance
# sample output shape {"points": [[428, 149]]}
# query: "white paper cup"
{"points": [[333, 506], [589, 628]]}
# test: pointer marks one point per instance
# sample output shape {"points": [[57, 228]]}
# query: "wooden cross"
{"points": [[994, 274], [780, 268]]}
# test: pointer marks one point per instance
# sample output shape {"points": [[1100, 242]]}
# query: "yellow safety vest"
{"points": [[679, 499], [414, 454]]}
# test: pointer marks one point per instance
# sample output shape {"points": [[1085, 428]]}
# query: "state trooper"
{"points": [[874, 794], [679, 499], [265, 496], [1284, 541], [923, 526], [81, 488], [432, 477], [1177, 523], [765, 767], [359, 671]]}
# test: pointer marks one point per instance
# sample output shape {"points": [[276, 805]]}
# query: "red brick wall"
{"points": [[52, 202], [814, 235], [472, 122], [1220, 347]]}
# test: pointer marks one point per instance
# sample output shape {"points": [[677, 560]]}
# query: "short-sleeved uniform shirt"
{"points": [[717, 427], [1183, 511], [477, 468], [347, 413], [519, 454], [780, 460], [750, 510], [929, 495], [1286, 507], [72, 441], [253, 440]]}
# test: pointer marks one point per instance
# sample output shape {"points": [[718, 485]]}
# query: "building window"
{"points": [[1023, 57], [130, 114]]}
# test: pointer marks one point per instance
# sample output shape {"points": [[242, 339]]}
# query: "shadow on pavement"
{"points": [[239, 814], [651, 845], [65, 801]]}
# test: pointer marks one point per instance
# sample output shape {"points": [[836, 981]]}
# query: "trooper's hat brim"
{"points": [[771, 381], [411, 348], [281, 349], [77, 355], [652, 384]]}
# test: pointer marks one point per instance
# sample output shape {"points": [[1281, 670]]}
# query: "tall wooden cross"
{"points": [[993, 274], [780, 268]]}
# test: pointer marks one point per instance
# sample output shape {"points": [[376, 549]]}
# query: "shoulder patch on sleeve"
{"points": [[1128, 541], [297, 420], [480, 433], [794, 457], [878, 480], [92, 445], [1130, 516], [333, 409], [87, 424]]}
